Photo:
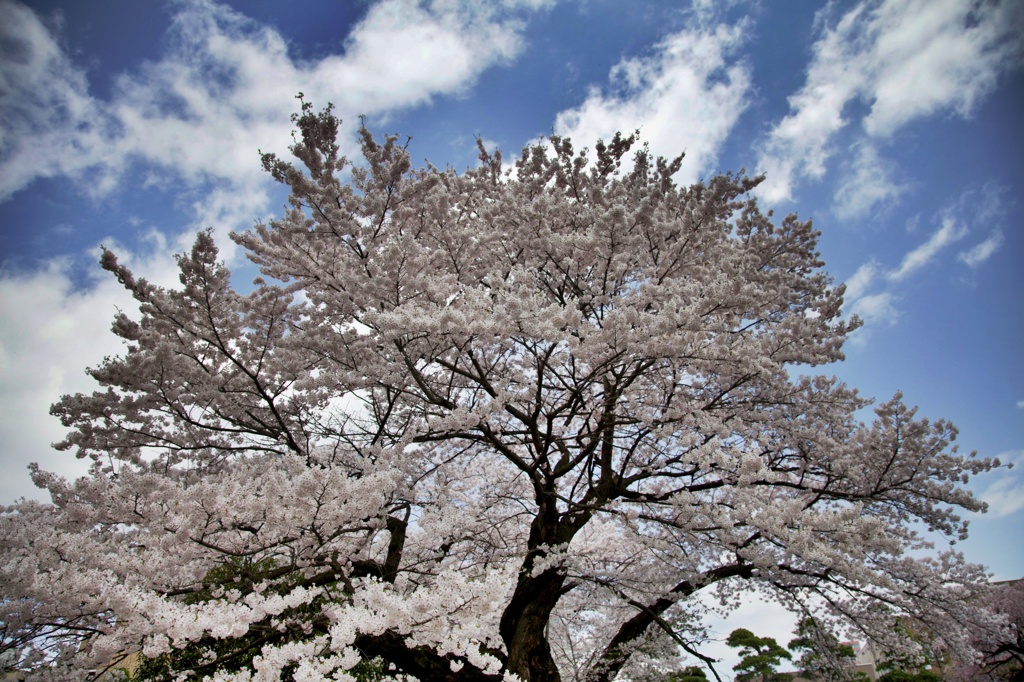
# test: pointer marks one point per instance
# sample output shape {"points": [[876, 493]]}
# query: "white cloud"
{"points": [[904, 59], [1006, 495], [868, 181], [224, 88], [950, 231], [876, 308], [871, 292], [798, 145], [403, 54], [49, 334], [988, 208], [982, 251], [931, 55], [686, 96], [51, 125], [872, 308], [861, 280]]}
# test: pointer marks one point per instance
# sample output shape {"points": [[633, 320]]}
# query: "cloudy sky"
{"points": [[895, 124]]}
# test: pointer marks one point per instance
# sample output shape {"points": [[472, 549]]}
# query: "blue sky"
{"points": [[896, 125]]}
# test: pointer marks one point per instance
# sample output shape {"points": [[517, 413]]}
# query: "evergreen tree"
{"points": [[760, 656]]}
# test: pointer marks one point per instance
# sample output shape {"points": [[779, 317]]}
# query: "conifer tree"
{"points": [[760, 656]]}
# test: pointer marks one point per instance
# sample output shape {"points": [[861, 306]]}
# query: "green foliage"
{"points": [[822, 656], [760, 656], [688, 674], [370, 670], [234, 654], [903, 668]]}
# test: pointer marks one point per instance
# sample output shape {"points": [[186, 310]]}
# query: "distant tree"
{"points": [[1002, 647], [760, 656], [919, 657], [822, 656], [688, 674], [505, 422], [1003, 653]]}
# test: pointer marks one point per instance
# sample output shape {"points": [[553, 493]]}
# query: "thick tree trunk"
{"points": [[524, 626]]}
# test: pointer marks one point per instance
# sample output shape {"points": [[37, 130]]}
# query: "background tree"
{"points": [[1001, 649], [822, 655], [759, 656], [922, 661], [508, 423], [1003, 652], [690, 673]]}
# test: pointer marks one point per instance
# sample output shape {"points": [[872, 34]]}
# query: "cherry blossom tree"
{"points": [[521, 422], [1001, 651], [822, 655]]}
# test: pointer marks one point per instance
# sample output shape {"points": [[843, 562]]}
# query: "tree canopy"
{"points": [[514, 423], [760, 656], [822, 655], [1003, 652], [690, 673]]}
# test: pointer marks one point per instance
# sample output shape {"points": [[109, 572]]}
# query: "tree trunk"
{"points": [[525, 622]]}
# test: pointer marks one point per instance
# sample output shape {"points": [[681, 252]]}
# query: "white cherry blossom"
{"points": [[506, 424]]}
